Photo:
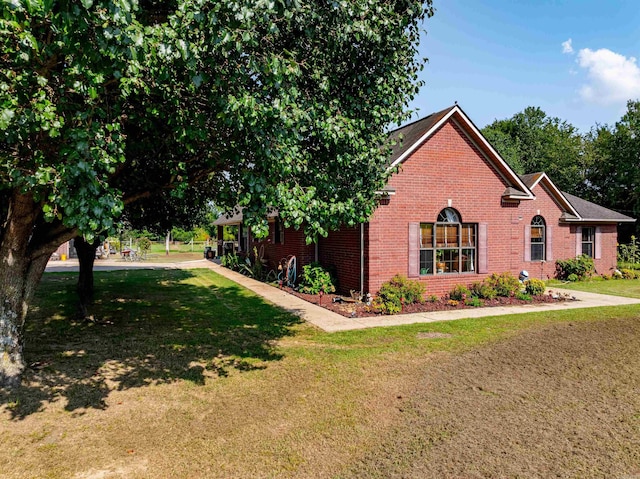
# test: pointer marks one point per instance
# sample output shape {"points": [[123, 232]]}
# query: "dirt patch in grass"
{"points": [[556, 401]]}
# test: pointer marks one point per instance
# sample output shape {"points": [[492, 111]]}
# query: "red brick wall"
{"points": [[448, 170], [294, 244], [340, 252]]}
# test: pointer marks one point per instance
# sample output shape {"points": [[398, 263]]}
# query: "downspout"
{"points": [[361, 258]]}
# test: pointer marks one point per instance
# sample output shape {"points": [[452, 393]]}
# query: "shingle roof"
{"points": [[593, 212], [530, 179], [406, 136]]}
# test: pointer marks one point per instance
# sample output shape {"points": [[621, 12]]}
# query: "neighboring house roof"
{"points": [[410, 137], [595, 213]]}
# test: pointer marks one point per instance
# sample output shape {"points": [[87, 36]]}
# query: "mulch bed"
{"points": [[353, 309]]}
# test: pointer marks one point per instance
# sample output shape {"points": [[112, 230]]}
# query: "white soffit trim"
{"points": [[456, 109], [557, 193], [422, 139]]}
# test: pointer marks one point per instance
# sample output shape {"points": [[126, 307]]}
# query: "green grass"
{"points": [[616, 287], [186, 374]]}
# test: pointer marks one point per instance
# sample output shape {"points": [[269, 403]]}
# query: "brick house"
{"points": [[452, 214]]}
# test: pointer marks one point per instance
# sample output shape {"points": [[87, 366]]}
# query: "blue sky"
{"points": [[574, 59]]}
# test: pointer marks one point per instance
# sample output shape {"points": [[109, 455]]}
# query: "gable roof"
{"points": [[576, 209], [405, 140], [595, 213]]}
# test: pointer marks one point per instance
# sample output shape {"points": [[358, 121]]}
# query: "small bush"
{"points": [[483, 290], [606, 277], [396, 292], [505, 284], [474, 301], [581, 267], [629, 273], [521, 295], [534, 287], [459, 292], [452, 302], [316, 279], [231, 261], [573, 277], [433, 298]]}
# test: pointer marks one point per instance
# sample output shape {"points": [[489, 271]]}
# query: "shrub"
{"points": [[316, 279], [534, 287], [433, 298], [231, 261], [581, 267], [474, 301], [573, 277], [629, 273], [505, 284], [521, 295], [483, 290], [459, 292], [397, 291]]}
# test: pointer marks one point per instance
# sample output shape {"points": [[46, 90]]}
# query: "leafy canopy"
{"points": [[280, 103]]}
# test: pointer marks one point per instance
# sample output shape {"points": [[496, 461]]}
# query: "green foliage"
{"points": [[459, 292], [629, 273], [474, 302], [165, 105], [316, 279], [534, 287], [523, 296], [629, 253], [231, 261], [615, 176], [505, 284], [398, 291], [483, 290], [575, 269], [144, 244], [531, 141]]}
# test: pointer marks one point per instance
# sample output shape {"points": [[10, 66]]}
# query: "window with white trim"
{"points": [[538, 238], [448, 245], [588, 241]]}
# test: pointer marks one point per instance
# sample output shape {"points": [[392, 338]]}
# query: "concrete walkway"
{"points": [[331, 322]]}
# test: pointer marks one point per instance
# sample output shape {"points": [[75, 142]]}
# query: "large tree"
{"points": [[614, 179], [530, 141], [104, 103]]}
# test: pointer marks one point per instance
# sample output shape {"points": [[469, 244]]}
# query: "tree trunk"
{"points": [[26, 243], [86, 257]]}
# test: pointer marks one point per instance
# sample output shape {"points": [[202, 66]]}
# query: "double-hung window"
{"points": [[448, 245], [588, 237], [538, 238]]}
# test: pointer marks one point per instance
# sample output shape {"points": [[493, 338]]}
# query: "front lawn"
{"points": [[185, 374], [616, 287]]}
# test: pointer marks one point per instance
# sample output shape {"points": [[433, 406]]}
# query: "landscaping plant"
{"points": [[398, 291], [315, 279], [575, 269]]}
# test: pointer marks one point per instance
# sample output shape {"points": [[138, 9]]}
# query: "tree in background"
{"points": [[614, 179], [530, 142], [106, 103]]}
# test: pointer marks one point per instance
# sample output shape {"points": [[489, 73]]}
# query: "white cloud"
{"points": [[567, 47], [612, 78]]}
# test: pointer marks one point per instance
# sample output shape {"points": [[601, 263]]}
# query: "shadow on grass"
{"points": [[152, 327]]}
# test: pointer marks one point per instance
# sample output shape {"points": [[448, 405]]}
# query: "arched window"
{"points": [[538, 238], [448, 245]]}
